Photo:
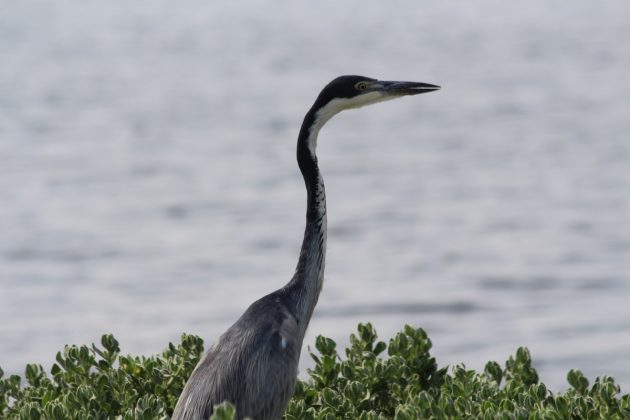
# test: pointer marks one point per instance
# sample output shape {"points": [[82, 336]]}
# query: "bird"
{"points": [[254, 364]]}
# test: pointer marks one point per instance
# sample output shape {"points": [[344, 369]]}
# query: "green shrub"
{"points": [[98, 383]]}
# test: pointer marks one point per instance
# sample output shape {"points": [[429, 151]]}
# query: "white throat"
{"points": [[337, 105]]}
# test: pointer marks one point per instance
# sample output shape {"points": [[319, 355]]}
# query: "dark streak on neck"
{"points": [[302, 292]]}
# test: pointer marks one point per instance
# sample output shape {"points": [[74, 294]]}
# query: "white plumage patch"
{"points": [[337, 105]]}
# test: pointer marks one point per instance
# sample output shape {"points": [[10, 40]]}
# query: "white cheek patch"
{"points": [[366, 99], [337, 105]]}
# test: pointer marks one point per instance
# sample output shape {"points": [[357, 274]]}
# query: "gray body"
{"points": [[249, 366], [254, 364]]}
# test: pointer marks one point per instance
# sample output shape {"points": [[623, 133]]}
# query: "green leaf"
{"points": [[577, 380]]}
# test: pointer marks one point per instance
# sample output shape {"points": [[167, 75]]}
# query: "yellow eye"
{"points": [[361, 86]]}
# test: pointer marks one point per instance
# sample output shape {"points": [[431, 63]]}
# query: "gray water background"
{"points": [[148, 183]]}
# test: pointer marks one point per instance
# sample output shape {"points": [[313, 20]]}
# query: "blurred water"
{"points": [[148, 184]]}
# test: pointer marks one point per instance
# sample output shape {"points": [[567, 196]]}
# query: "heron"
{"points": [[254, 364]]}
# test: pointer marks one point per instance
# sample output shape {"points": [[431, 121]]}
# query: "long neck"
{"points": [[304, 288]]}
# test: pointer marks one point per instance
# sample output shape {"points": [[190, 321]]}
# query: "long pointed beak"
{"points": [[408, 88]]}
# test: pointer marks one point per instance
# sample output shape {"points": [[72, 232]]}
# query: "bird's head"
{"points": [[346, 92]]}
